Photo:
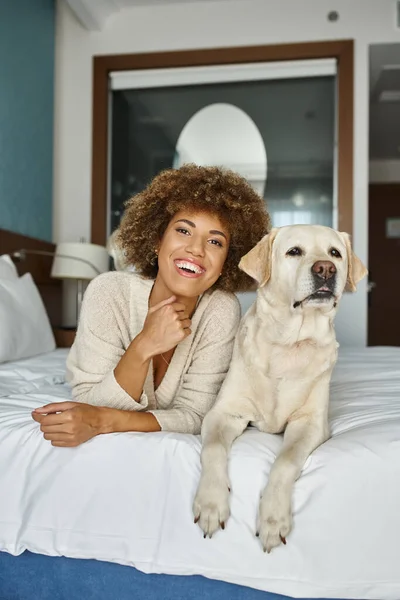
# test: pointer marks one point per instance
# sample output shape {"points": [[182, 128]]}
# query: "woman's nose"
{"points": [[195, 246]]}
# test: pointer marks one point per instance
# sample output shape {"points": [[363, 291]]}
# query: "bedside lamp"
{"points": [[80, 261], [74, 260]]}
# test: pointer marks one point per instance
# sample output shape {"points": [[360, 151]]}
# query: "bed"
{"points": [[112, 518]]}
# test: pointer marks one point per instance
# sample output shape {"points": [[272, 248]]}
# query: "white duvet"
{"points": [[127, 497]]}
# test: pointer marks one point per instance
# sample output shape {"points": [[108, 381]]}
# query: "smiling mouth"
{"points": [[187, 268]]}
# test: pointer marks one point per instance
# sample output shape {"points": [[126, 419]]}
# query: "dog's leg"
{"points": [[211, 503], [303, 434]]}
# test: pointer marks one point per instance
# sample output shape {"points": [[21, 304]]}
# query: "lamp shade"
{"points": [[79, 261]]}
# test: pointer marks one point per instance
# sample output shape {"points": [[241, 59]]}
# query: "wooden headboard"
{"points": [[39, 267]]}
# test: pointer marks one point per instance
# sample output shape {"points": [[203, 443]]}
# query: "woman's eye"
{"points": [[216, 243], [182, 230], [334, 252], [296, 251]]}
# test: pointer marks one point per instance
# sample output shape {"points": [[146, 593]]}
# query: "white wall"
{"points": [[203, 25]]}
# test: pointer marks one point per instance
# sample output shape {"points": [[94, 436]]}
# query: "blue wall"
{"points": [[26, 116]]}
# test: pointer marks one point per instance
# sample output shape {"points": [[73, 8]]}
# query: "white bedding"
{"points": [[127, 498]]}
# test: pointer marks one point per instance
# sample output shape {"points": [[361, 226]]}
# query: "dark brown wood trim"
{"points": [[342, 50], [99, 151], [345, 123]]}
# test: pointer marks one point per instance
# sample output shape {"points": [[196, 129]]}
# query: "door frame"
{"points": [[341, 50], [376, 189]]}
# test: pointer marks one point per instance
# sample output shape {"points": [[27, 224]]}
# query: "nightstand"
{"points": [[64, 336]]}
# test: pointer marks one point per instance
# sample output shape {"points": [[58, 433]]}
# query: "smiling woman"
{"points": [[153, 347], [194, 246]]}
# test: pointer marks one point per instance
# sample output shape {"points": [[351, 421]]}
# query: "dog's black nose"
{"points": [[325, 269]]}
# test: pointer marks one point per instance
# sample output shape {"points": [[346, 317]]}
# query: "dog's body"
{"points": [[284, 354]]}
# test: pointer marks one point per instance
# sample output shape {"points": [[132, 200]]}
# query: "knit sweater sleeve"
{"points": [[99, 345], [207, 371]]}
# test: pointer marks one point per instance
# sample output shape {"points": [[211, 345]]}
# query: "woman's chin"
{"points": [[189, 286]]}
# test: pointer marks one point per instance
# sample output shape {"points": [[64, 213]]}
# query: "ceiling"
{"points": [[94, 14], [384, 117]]}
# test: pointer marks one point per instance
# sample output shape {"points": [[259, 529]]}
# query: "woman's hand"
{"points": [[166, 325], [68, 424]]}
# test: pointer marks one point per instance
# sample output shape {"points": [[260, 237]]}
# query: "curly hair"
{"points": [[214, 190]]}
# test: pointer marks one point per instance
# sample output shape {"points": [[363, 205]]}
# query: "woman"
{"points": [[153, 347]]}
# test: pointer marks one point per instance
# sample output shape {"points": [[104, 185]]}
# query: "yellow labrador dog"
{"points": [[283, 358]]}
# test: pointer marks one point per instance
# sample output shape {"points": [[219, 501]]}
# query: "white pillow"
{"points": [[24, 325], [7, 268]]}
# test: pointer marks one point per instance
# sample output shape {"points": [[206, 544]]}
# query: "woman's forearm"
{"points": [[114, 420], [131, 371]]}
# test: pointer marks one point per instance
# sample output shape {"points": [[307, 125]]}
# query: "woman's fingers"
{"points": [[60, 428], [71, 427], [183, 316], [62, 444], [51, 419], [58, 437], [179, 308], [55, 407], [156, 307], [167, 324]]}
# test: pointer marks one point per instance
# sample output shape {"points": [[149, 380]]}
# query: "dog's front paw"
{"points": [[211, 505], [274, 521]]}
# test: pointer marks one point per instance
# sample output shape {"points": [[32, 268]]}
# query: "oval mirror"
{"points": [[222, 134]]}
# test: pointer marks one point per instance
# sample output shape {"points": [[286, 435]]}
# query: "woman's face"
{"points": [[192, 253]]}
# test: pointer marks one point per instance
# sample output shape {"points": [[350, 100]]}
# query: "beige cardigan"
{"points": [[113, 312]]}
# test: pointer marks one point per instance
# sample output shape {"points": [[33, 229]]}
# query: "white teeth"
{"points": [[183, 264]]}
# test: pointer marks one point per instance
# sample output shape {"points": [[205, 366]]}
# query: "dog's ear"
{"points": [[356, 270], [257, 263]]}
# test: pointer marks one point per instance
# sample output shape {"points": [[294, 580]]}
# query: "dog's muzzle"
{"points": [[324, 277]]}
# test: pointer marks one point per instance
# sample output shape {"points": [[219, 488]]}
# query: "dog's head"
{"points": [[305, 265]]}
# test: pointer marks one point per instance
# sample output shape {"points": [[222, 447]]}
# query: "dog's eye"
{"points": [[296, 251], [335, 253]]}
